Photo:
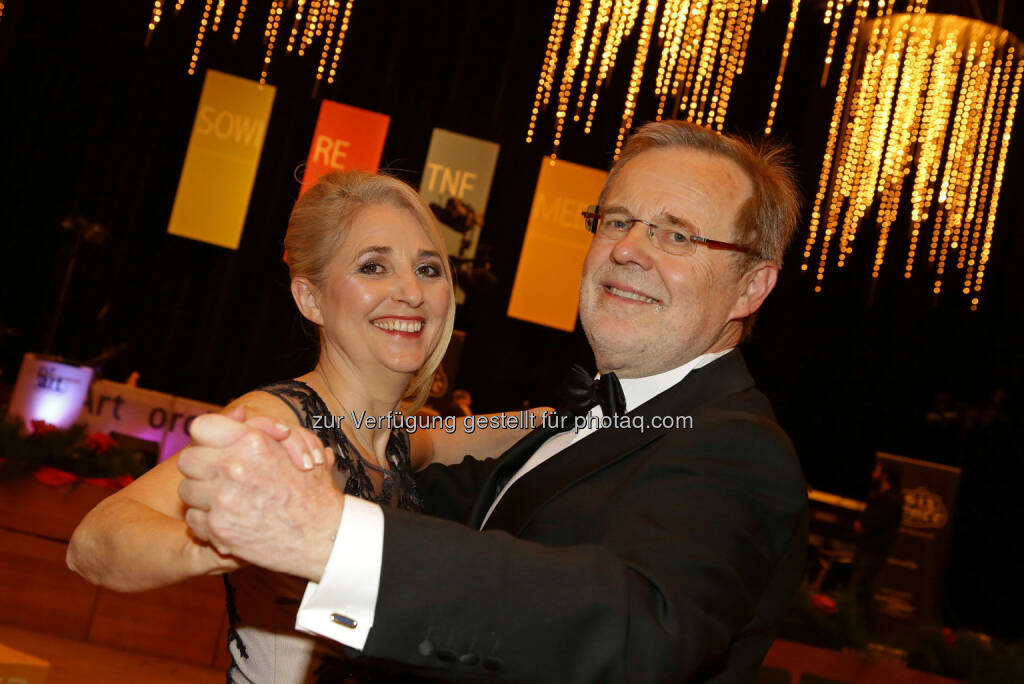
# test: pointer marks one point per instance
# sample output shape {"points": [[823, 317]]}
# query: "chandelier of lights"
{"points": [[701, 47], [930, 106], [323, 22]]}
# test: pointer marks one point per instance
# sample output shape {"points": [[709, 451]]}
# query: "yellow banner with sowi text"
{"points": [[547, 285], [221, 161]]}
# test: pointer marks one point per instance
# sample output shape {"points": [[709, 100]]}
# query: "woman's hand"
{"points": [[304, 448]]}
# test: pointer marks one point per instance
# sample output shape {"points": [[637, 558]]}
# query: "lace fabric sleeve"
{"points": [[397, 486]]}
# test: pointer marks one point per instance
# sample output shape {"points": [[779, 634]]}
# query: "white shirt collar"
{"points": [[640, 390]]}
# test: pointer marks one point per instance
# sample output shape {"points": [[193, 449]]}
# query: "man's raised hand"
{"points": [[248, 501]]}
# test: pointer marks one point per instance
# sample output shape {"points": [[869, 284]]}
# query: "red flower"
{"points": [[41, 427], [54, 477], [824, 604], [99, 442]]}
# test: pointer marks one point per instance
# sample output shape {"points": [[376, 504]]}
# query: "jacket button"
{"points": [[446, 656], [426, 648], [469, 659], [493, 663]]}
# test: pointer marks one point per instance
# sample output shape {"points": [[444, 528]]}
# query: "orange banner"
{"points": [[547, 285], [346, 138]]}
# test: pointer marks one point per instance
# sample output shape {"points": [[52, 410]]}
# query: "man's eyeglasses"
{"points": [[670, 238]]}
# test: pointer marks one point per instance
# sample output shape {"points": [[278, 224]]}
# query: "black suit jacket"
{"points": [[635, 555]]}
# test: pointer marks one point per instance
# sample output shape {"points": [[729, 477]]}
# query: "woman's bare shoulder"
{"points": [[260, 402]]}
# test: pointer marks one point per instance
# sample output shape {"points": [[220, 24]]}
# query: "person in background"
{"points": [[876, 531]]}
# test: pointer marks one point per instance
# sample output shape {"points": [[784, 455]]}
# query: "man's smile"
{"points": [[623, 292]]}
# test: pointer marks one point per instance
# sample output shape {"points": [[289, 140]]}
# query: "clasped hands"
{"points": [[252, 491]]}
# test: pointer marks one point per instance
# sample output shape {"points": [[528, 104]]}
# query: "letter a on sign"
{"points": [[221, 161], [346, 138]]}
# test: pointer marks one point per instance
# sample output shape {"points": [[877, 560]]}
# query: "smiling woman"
{"points": [[365, 250], [369, 269]]}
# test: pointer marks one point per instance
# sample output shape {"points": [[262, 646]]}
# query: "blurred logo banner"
{"points": [[456, 183], [346, 138], [221, 161], [910, 585], [547, 285]]}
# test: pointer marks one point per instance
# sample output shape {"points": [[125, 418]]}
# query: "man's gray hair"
{"points": [[767, 221]]}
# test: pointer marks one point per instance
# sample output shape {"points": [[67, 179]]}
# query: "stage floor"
{"points": [[79, 662]]}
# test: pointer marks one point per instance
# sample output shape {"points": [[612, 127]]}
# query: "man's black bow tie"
{"points": [[583, 393]]}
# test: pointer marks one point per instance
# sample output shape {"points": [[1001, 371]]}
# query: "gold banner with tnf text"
{"points": [[456, 183]]}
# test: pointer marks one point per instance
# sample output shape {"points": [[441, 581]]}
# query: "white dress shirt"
{"points": [[341, 606]]}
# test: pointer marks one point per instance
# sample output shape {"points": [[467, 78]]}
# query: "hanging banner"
{"points": [[221, 161], [547, 284], [909, 586], [145, 415], [346, 138], [456, 183]]}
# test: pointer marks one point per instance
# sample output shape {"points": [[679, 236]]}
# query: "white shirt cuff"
{"points": [[341, 606]]}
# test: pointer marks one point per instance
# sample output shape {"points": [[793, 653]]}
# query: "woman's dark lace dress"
{"points": [[263, 643]]}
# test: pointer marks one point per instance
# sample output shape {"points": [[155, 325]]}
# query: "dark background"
{"points": [[96, 125]]}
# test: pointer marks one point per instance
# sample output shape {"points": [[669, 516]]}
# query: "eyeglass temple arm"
{"points": [[718, 244]]}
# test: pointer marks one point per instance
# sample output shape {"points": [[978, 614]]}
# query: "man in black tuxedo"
{"points": [[661, 550]]}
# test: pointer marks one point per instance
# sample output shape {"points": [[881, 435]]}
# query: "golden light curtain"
{"points": [[929, 112], [322, 23], [700, 46]]}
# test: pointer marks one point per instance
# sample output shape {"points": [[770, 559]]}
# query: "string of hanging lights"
{"points": [[313, 22], [701, 47], [925, 106], [930, 105]]}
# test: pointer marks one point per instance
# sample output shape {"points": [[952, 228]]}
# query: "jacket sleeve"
{"points": [[449, 491], [690, 543]]}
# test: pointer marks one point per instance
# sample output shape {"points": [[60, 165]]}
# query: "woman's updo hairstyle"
{"points": [[320, 221]]}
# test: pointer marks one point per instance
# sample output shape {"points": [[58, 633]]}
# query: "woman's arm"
{"points": [[482, 436], [136, 539]]}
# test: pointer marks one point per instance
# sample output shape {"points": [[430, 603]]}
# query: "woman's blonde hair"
{"points": [[321, 219]]}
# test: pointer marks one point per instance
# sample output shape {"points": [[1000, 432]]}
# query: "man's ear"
{"points": [[307, 298], [757, 284]]}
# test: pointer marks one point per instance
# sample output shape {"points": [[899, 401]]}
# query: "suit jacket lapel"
{"points": [[600, 449], [508, 465]]}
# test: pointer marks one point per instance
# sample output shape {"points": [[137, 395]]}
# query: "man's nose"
{"points": [[635, 247]]}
